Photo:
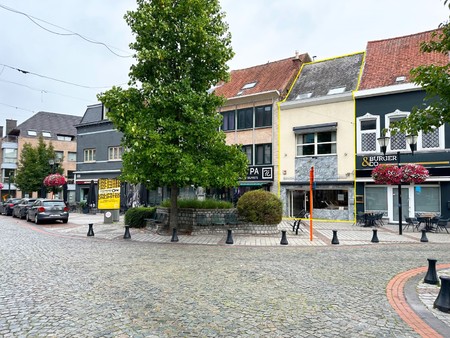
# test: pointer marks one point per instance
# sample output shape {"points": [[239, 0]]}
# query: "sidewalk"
{"points": [[406, 291]]}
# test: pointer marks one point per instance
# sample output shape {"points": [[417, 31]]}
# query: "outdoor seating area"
{"points": [[428, 222], [370, 219]]}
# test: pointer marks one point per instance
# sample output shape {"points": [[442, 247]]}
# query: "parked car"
{"points": [[7, 206], [20, 209], [44, 209]]}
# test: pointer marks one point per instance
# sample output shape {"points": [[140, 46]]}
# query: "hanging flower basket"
{"points": [[54, 180], [1, 186], [391, 174]]}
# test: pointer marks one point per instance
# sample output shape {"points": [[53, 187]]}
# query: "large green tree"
{"points": [[435, 80], [34, 166], [168, 115]]}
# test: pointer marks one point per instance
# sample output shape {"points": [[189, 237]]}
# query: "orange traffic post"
{"points": [[311, 183]]}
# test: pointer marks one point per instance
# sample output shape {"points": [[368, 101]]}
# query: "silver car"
{"points": [[20, 209], [48, 210]]}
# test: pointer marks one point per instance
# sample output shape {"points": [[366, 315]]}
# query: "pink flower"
{"points": [[393, 175], [1, 186], [54, 180]]}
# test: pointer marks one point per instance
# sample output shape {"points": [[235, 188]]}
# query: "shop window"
{"points": [[330, 199], [376, 199], [427, 199]]}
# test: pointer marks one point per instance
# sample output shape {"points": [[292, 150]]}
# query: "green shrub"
{"points": [[199, 204], [260, 207], [135, 217]]}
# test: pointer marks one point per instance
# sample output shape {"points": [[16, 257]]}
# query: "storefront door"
{"points": [[406, 207]]}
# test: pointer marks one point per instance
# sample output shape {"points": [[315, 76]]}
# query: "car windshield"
{"points": [[53, 203]]}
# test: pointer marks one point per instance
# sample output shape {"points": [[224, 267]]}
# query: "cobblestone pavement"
{"points": [[57, 282]]}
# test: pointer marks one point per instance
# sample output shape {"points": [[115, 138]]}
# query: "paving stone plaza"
{"points": [[57, 282]]}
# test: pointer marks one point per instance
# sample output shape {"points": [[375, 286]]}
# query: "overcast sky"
{"points": [[262, 31]]}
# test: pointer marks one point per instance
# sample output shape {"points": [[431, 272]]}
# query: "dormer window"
{"points": [[334, 91], [400, 79], [32, 132], [249, 85], [46, 134]]}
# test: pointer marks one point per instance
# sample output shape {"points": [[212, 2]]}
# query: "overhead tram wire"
{"points": [[57, 80], [70, 33]]}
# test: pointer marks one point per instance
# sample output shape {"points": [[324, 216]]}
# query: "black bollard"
{"points": [[431, 276], [127, 232], [374, 236], [424, 236], [229, 237], [174, 235], [335, 238], [442, 301], [91, 230], [284, 240]]}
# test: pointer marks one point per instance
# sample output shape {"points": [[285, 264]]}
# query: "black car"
{"points": [[20, 209], [44, 209], [6, 207]]}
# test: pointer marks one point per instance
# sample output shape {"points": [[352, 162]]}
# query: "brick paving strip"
{"points": [[396, 297]]}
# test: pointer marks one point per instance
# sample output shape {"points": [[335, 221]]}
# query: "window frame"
{"points": [[228, 116], [246, 120], [263, 146], [359, 132], [315, 144], [263, 115], [244, 149], [89, 155], [116, 151]]}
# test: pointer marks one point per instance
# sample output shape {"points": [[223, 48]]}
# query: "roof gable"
{"points": [[272, 76], [327, 77], [388, 62]]}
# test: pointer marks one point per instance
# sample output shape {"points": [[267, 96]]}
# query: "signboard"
{"points": [[373, 161], [108, 193], [260, 173]]}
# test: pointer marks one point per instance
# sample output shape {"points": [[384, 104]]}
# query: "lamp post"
{"points": [[54, 163], [384, 142], [9, 185]]}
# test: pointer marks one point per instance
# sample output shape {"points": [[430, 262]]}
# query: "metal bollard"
{"points": [[442, 301], [431, 276], [174, 235], [424, 236], [284, 240], [374, 236], [335, 238], [127, 232], [229, 237], [91, 229]]}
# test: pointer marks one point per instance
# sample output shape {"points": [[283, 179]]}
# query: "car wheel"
{"points": [[28, 218], [64, 220], [13, 215], [36, 219]]}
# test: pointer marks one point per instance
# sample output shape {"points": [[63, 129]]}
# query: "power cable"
{"points": [[8, 105], [54, 79], [71, 33]]}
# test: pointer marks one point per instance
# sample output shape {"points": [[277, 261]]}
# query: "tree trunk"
{"points": [[173, 207]]}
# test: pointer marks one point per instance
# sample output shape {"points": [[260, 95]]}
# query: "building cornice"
{"points": [[395, 89]]}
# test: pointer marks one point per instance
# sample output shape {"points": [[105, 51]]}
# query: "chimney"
{"points": [[10, 125], [1, 131]]}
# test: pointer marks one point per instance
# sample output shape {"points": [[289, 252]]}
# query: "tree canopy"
{"points": [[33, 166], [168, 115], [435, 80]]}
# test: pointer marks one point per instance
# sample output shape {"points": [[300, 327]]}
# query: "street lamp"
{"points": [[384, 142], [54, 163]]}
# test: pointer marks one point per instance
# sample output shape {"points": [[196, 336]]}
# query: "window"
{"points": [[263, 116], [9, 155], [32, 132], [376, 199], [368, 127], [46, 134], [330, 199], [334, 91], [64, 137], [89, 155], [427, 199], [248, 150], [115, 153], [228, 120], [59, 155], [249, 85], [321, 143], [245, 118], [71, 156], [263, 153], [303, 96]]}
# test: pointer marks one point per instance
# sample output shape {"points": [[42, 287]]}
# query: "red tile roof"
{"points": [[388, 59], [276, 75]]}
